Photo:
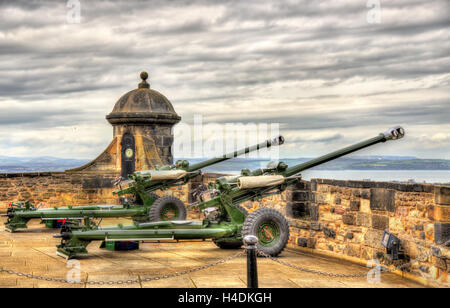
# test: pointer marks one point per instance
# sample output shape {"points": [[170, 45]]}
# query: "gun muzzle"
{"points": [[278, 140], [394, 133]]}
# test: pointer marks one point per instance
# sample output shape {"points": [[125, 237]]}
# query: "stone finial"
{"points": [[144, 83]]}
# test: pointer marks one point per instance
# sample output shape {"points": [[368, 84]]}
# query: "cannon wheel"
{"points": [[167, 208], [231, 244], [146, 219], [270, 227]]}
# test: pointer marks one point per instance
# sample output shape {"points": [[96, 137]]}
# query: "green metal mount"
{"points": [[141, 188], [225, 220]]}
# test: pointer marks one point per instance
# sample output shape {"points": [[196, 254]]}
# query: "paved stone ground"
{"points": [[33, 251]]}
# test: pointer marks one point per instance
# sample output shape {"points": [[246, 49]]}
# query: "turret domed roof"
{"points": [[143, 105]]}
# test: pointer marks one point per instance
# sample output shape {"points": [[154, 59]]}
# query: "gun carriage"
{"points": [[139, 200], [226, 221]]}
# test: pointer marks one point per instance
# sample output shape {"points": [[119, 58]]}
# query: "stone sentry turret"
{"points": [[142, 120]]}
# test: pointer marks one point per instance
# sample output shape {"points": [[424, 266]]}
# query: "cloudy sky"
{"points": [[330, 72]]}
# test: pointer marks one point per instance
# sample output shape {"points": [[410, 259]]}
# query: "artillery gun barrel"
{"points": [[393, 133], [266, 144]]}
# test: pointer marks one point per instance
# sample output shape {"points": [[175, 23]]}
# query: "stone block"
{"points": [[339, 211], [311, 242], [360, 184], [380, 222], [299, 224], [348, 219], [314, 212], [365, 206], [440, 252], [356, 193], [297, 209], [441, 232], [439, 213], [302, 185], [365, 194], [395, 224], [316, 226], [25, 195], [321, 198], [302, 242], [308, 242], [363, 219], [313, 185], [418, 227], [329, 232], [352, 250], [97, 182], [422, 235], [299, 196], [367, 253], [382, 199], [402, 211], [439, 263], [372, 238], [355, 205], [167, 141], [442, 195]]}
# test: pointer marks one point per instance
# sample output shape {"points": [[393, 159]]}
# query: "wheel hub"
{"points": [[169, 213], [268, 233]]}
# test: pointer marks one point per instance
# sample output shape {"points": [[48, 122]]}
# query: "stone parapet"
{"points": [[343, 219], [353, 215], [51, 189]]}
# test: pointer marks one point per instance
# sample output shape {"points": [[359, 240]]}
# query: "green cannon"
{"points": [[142, 205], [226, 222]]}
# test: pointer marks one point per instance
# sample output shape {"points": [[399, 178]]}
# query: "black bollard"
{"points": [[250, 242]]}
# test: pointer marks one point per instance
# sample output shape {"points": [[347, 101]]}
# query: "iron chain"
{"points": [[199, 268], [120, 282], [337, 275], [384, 270]]}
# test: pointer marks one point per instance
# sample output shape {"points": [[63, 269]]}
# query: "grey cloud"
{"points": [[413, 113], [41, 118], [248, 47], [334, 137], [195, 26]]}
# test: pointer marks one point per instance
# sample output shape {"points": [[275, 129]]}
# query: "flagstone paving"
{"points": [[33, 251]]}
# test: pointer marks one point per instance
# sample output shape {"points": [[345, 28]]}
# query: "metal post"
{"points": [[250, 242]]}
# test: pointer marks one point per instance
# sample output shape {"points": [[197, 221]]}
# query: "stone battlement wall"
{"points": [[57, 188], [343, 219], [347, 219]]}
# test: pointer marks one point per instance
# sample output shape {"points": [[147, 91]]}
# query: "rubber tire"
{"points": [[231, 244], [259, 216], [155, 210], [144, 220]]}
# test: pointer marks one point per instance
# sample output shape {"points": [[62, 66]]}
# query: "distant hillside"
{"points": [[47, 163], [352, 163], [10, 164]]}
